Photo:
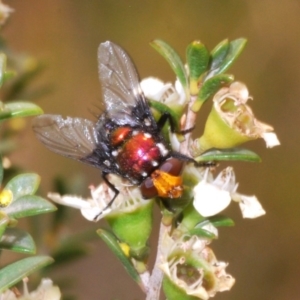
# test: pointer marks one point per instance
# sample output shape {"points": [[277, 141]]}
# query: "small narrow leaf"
{"points": [[217, 221], [19, 109], [1, 170], [173, 59], [236, 154], [221, 221], [202, 233], [29, 205], [2, 68], [17, 240], [218, 54], [197, 60], [162, 108], [210, 87], [112, 243], [4, 220], [13, 273], [24, 184], [235, 49]]}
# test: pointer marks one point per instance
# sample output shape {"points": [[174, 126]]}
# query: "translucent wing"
{"points": [[120, 82], [72, 137]]}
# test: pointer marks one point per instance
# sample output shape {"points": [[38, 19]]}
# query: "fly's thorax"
{"points": [[119, 135]]}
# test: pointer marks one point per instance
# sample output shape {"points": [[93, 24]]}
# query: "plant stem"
{"points": [[155, 282], [190, 123], [156, 278]]}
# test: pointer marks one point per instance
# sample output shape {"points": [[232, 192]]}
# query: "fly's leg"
{"points": [[113, 188], [161, 123], [167, 117], [186, 158]]}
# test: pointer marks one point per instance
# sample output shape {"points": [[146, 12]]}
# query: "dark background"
{"points": [[263, 254]]}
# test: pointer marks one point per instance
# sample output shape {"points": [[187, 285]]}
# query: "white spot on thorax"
{"points": [[162, 149], [147, 135]]}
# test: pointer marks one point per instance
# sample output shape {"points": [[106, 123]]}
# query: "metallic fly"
{"points": [[126, 140]]}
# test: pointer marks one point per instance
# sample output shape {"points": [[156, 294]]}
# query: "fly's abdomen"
{"points": [[139, 156]]}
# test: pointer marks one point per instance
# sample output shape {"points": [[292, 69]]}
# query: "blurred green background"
{"points": [[263, 254]]}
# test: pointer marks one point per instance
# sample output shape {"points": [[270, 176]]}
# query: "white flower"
{"points": [[213, 196], [96, 207], [45, 291], [155, 89], [193, 267], [230, 103]]}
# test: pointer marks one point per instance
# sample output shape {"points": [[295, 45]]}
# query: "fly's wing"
{"points": [[72, 137], [124, 99]]}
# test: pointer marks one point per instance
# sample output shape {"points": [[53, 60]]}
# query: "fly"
{"points": [[126, 140]]}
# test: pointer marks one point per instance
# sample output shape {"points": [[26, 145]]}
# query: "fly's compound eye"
{"points": [[172, 166], [148, 189]]}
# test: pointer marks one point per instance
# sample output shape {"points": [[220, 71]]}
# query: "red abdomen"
{"points": [[138, 156]]}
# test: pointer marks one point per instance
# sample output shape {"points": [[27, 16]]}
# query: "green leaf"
{"points": [[202, 233], [197, 60], [221, 221], [13, 273], [29, 205], [112, 243], [210, 87], [24, 184], [218, 54], [8, 75], [173, 59], [217, 221], [235, 49], [1, 170], [4, 220], [162, 108], [17, 240], [2, 68], [236, 154], [19, 109]]}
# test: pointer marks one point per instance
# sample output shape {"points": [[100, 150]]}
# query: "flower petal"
{"points": [[251, 207], [210, 200], [270, 139], [94, 213], [226, 180], [69, 200], [154, 88]]}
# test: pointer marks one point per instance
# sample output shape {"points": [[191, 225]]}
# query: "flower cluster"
{"points": [[185, 265]]}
